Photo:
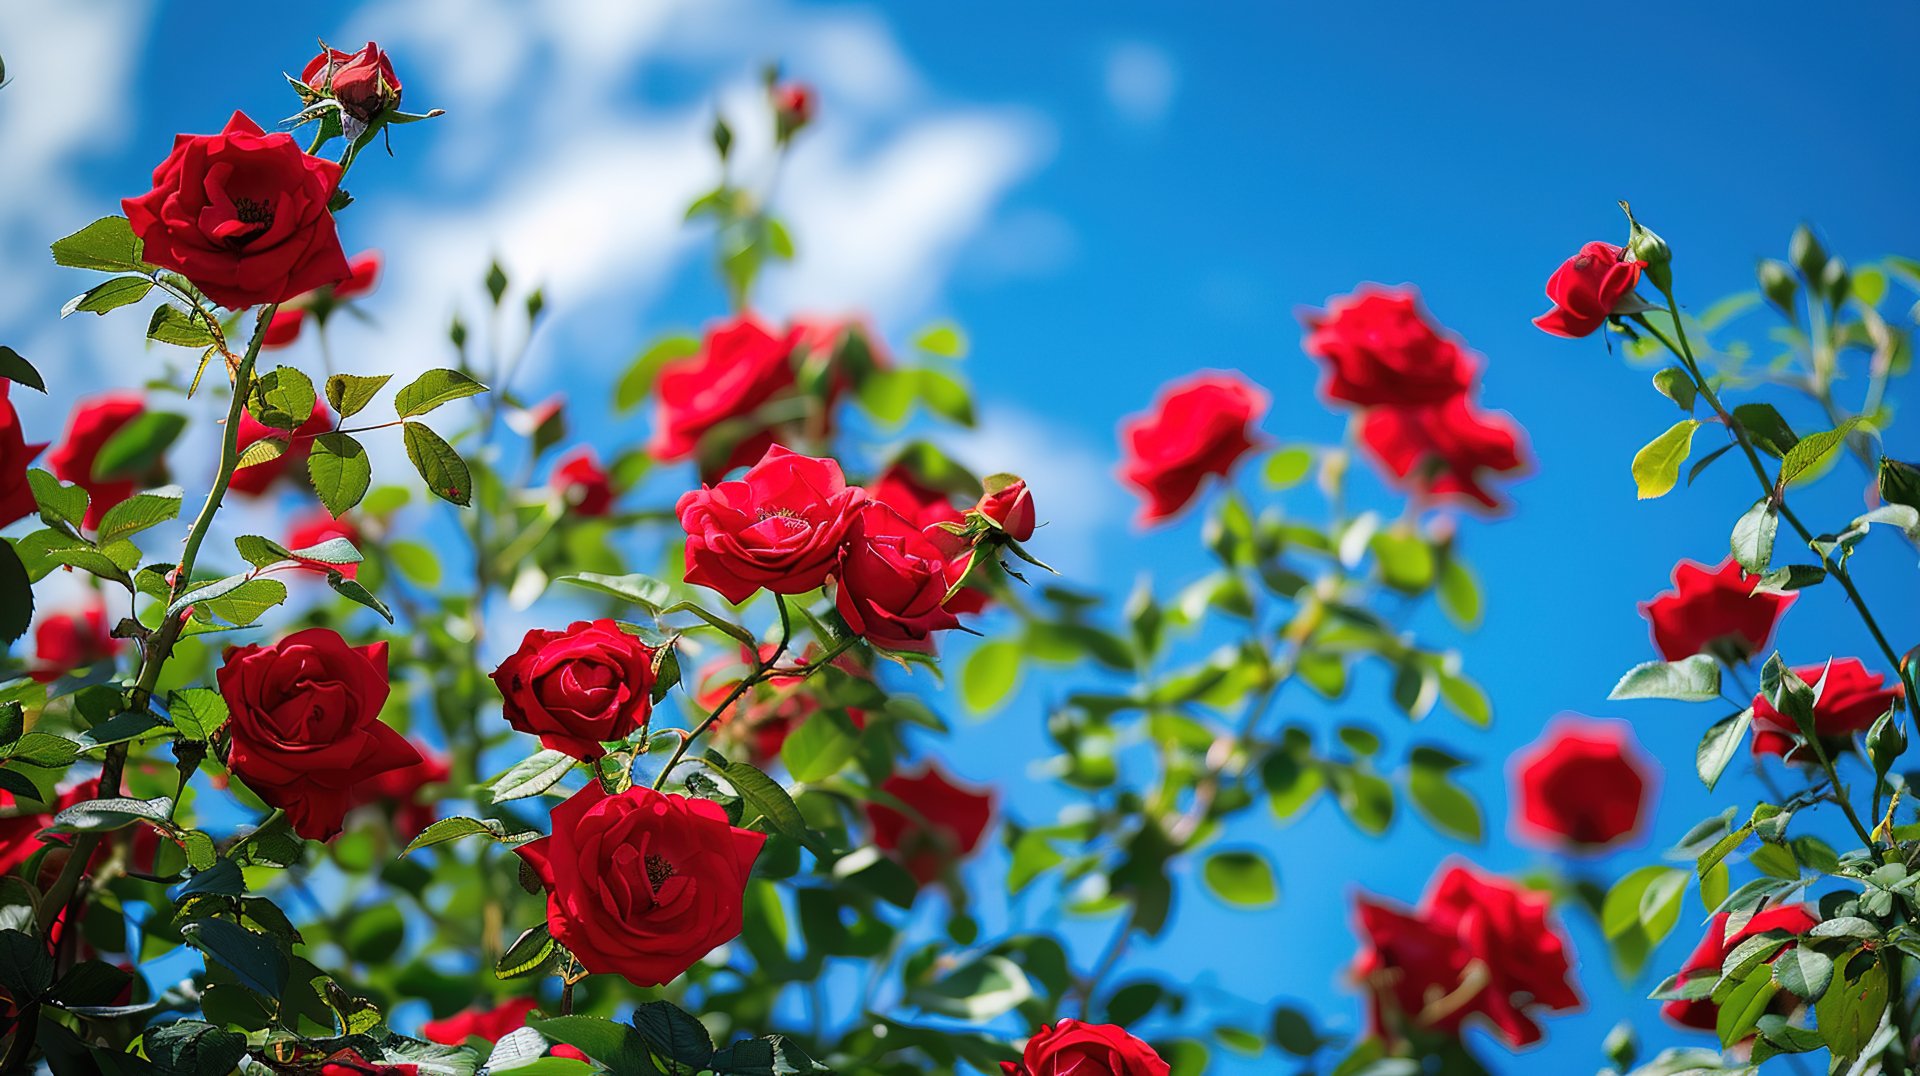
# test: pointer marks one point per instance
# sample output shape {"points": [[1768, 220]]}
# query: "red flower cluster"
{"points": [[1707, 958], [951, 820], [1477, 946], [1199, 426], [578, 687], [1073, 1048], [1721, 611], [1413, 382], [1583, 785], [16, 455], [642, 884], [1851, 700], [1586, 289]]}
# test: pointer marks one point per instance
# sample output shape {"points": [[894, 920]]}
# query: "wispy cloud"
{"points": [[1140, 80]]}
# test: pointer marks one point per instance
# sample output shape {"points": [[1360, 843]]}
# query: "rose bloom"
{"points": [[73, 639], [350, 1063], [739, 367], [1011, 509], [1582, 785], [1199, 426], [363, 82], [777, 527], [643, 884], [20, 825], [306, 725], [577, 687], [892, 579], [402, 790], [491, 1024], [16, 496], [1706, 959], [363, 273], [952, 819], [1073, 1048], [243, 214], [1714, 610], [256, 479], [1445, 449], [92, 424], [1477, 945], [319, 526], [923, 506], [1851, 700], [1380, 348], [768, 713], [580, 481], [1586, 288]]}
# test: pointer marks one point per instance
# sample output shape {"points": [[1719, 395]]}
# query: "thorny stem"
{"points": [[762, 664]]}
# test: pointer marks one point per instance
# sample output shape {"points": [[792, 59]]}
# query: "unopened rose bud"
{"points": [[1646, 247], [1806, 253], [1777, 283], [1008, 504], [363, 82], [792, 108]]}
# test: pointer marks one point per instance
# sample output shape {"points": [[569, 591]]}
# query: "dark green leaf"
{"points": [[136, 448], [255, 959], [15, 368], [112, 295], [1720, 744], [444, 472], [108, 245]]}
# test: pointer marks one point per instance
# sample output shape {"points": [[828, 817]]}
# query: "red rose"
{"points": [[779, 526], [1851, 700], [76, 639], [350, 1063], [1072, 1048], [306, 725], [255, 479], [242, 214], [577, 687], [319, 526], [901, 490], [363, 82], [892, 579], [20, 826], [93, 423], [1583, 785], [284, 329], [739, 367], [1712, 952], [1586, 288], [491, 1024], [1198, 426], [769, 712], [583, 484], [951, 820], [402, 790], [642, 884], [1719, 610], [16, 496], [1445, 449], [1380, 349], [1010, 507], [1477, 945], [792, 107]]}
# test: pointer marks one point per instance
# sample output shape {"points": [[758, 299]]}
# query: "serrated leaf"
{"points": [[112, 295], [532, 776], [444, 472], [432, 389], [349, 394], [108, 245], [1812, 449], [137, 513], [340, 472], [172, 325]]}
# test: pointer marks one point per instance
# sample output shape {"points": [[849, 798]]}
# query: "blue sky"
{"points": [[1106, 198]]}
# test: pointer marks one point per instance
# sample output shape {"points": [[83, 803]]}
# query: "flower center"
{"points": [[658, 870], [252, 212]]}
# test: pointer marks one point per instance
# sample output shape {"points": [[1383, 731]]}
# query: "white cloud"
{"points": [[1140, 81]]}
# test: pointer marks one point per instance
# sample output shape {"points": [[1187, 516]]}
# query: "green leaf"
{"points": [[1694, 679], [104, 815], [1813, 449], [432, 389], [172, 325], [527, 955], [946, 397], [617, 1046], [1442, 802], [1803, 971], [977, 991], [281, 398], [1720, 744], [254, 959], [355, 591], [1459, 593], [989, 674], [1675, 384], [194, 1048], [820, 745], [1287, 466], [60, 503], [496, 282], [197, 712], [673, 1032], [108, 245], [15, 368], [1765, 428], [942, 338], [137, 513], [444, 472], [112, 295], [1656, 468], [1241, 878], [340, 472], [532, 776], [1753, 534], [349, 394], [452, 829], [640, 376], [136, 448], [642, 590], [764, 795], [16, 596]]}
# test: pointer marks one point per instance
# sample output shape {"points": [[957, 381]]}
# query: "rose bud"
{"points": [[792, 108], [16, 496], [580, 480], [1073, 1048], [1586, 288], [578, 687], [779, 526], [1720, 610], [1008, 504], [363, 82], [306, 725], [93, 423], [642, 884], [893, 579]]}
